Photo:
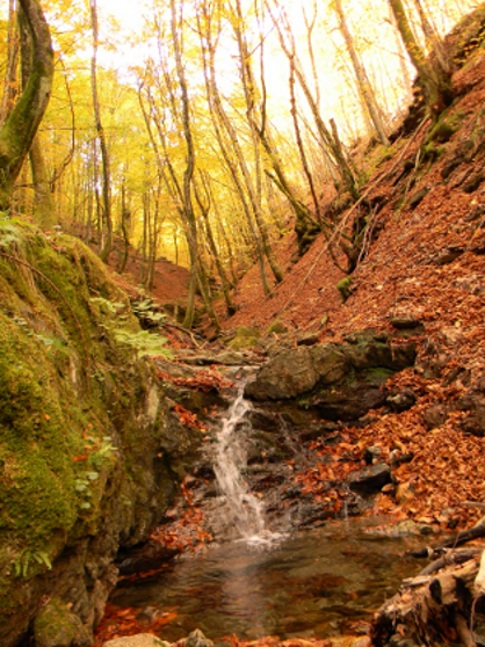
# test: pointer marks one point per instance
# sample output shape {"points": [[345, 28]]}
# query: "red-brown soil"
{"points": [[426, 262]]}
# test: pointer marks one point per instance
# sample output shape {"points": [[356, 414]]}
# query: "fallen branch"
{"points": [[461, 538]]}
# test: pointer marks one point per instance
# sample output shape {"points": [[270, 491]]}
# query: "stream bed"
{"points": [[315, 583]]}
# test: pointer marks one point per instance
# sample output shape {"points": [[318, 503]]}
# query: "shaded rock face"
{"points": [[337, 381], [91, 453]]}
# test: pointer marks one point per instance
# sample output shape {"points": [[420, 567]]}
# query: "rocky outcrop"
{"points": [[337, 381], [91, 452]]}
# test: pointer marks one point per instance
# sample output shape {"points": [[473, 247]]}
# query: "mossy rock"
{"points": [[56, 626], [245, 337], [430, 152], [88, 448], [345, 288], [277, 327], [444, 129]]}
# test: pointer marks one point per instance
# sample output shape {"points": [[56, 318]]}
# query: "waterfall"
{"points": [[239, 510]]}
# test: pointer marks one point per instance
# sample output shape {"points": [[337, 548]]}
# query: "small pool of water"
{"points": [[316, 584]]}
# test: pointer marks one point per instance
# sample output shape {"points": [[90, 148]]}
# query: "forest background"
{"points": [[204, 131]]}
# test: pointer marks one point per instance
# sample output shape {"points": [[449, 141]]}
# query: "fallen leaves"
{"points": [[207, 381], [188, 418], [118, 622], [187, 531]]}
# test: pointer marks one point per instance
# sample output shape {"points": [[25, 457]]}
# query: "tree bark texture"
{"points": [[18, 132]]}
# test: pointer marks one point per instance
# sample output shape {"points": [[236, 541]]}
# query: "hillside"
{"points": [[420, 278]]}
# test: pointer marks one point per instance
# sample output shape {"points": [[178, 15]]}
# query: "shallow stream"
{"points": [[313, 584]]}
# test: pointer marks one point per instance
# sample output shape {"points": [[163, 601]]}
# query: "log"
{"points": [[434, 608], [458, 540]]}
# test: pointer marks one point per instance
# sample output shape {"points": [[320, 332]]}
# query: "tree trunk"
{"points": [[228, 141], [10, 84], [363, 83], [106, 221], [43, 208], [18, 132], [433, 75]]}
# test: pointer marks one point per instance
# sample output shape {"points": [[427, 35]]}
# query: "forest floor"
{"points": [[424, 263]]}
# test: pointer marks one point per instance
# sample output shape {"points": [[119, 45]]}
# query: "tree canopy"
{"points": [[224, 127]]}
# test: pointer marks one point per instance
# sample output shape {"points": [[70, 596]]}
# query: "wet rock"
{"points": [[289, 374], [448, 255], [307, 339], [406, 322], [474, 403], [371, 454], [349, 403], [418, 196], [371, 479], [435, 416], [138, 640], [197, 639], [146, 557], [336, 381], [330, 363], [56, 626], [402, 401]]}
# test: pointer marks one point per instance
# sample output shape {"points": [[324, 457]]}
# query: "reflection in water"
{"points": [[315, 583]]}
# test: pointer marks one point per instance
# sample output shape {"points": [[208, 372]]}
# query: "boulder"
{"points": [[138, 640], [337, 381], [287, 375], [371, 479], [57, 626]]}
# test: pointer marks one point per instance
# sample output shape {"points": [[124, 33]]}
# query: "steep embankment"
{"points": [[90, 454], [420, 276]]}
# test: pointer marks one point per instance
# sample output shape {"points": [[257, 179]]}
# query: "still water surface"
{"points": [[316, 584]]}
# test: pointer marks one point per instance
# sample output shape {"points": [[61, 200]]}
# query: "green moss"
{"points": [[277, 327], [245, 337], [345, 287], [378, 375], [430, 152], [77, 430], [52, 412], [56, 625], [444, 128]]}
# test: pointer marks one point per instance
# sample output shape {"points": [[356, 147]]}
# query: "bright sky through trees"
{"points": [[271, 92]]}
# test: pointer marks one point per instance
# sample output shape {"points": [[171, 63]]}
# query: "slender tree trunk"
{"points": [[188, 211], [19, 130], [43, 207], [334, 148], [228, 140], [364, 85], [106, 223], [125, 227], [11, 82], [250, 92], [434, 77], [204, 207]]}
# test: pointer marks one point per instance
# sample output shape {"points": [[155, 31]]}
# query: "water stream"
{"points": [[254, 582], [241, 511], [314, 583]]}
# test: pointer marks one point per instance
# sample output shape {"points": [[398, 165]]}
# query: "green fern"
{"points": [[27, 557], [144, 344]]}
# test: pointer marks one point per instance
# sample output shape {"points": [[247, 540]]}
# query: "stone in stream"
{"points": [[371, 479], [138, 640], [337, 381]]}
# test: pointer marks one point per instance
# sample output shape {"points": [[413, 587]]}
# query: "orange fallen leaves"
{"points": [[118, 622], [189, 419], [204, 380], [187, 531]]}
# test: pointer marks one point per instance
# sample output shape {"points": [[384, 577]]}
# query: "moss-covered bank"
{"points": [[90, 454]]}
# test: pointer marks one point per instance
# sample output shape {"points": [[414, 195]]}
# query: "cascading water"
{"points": [[239, 510]]}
